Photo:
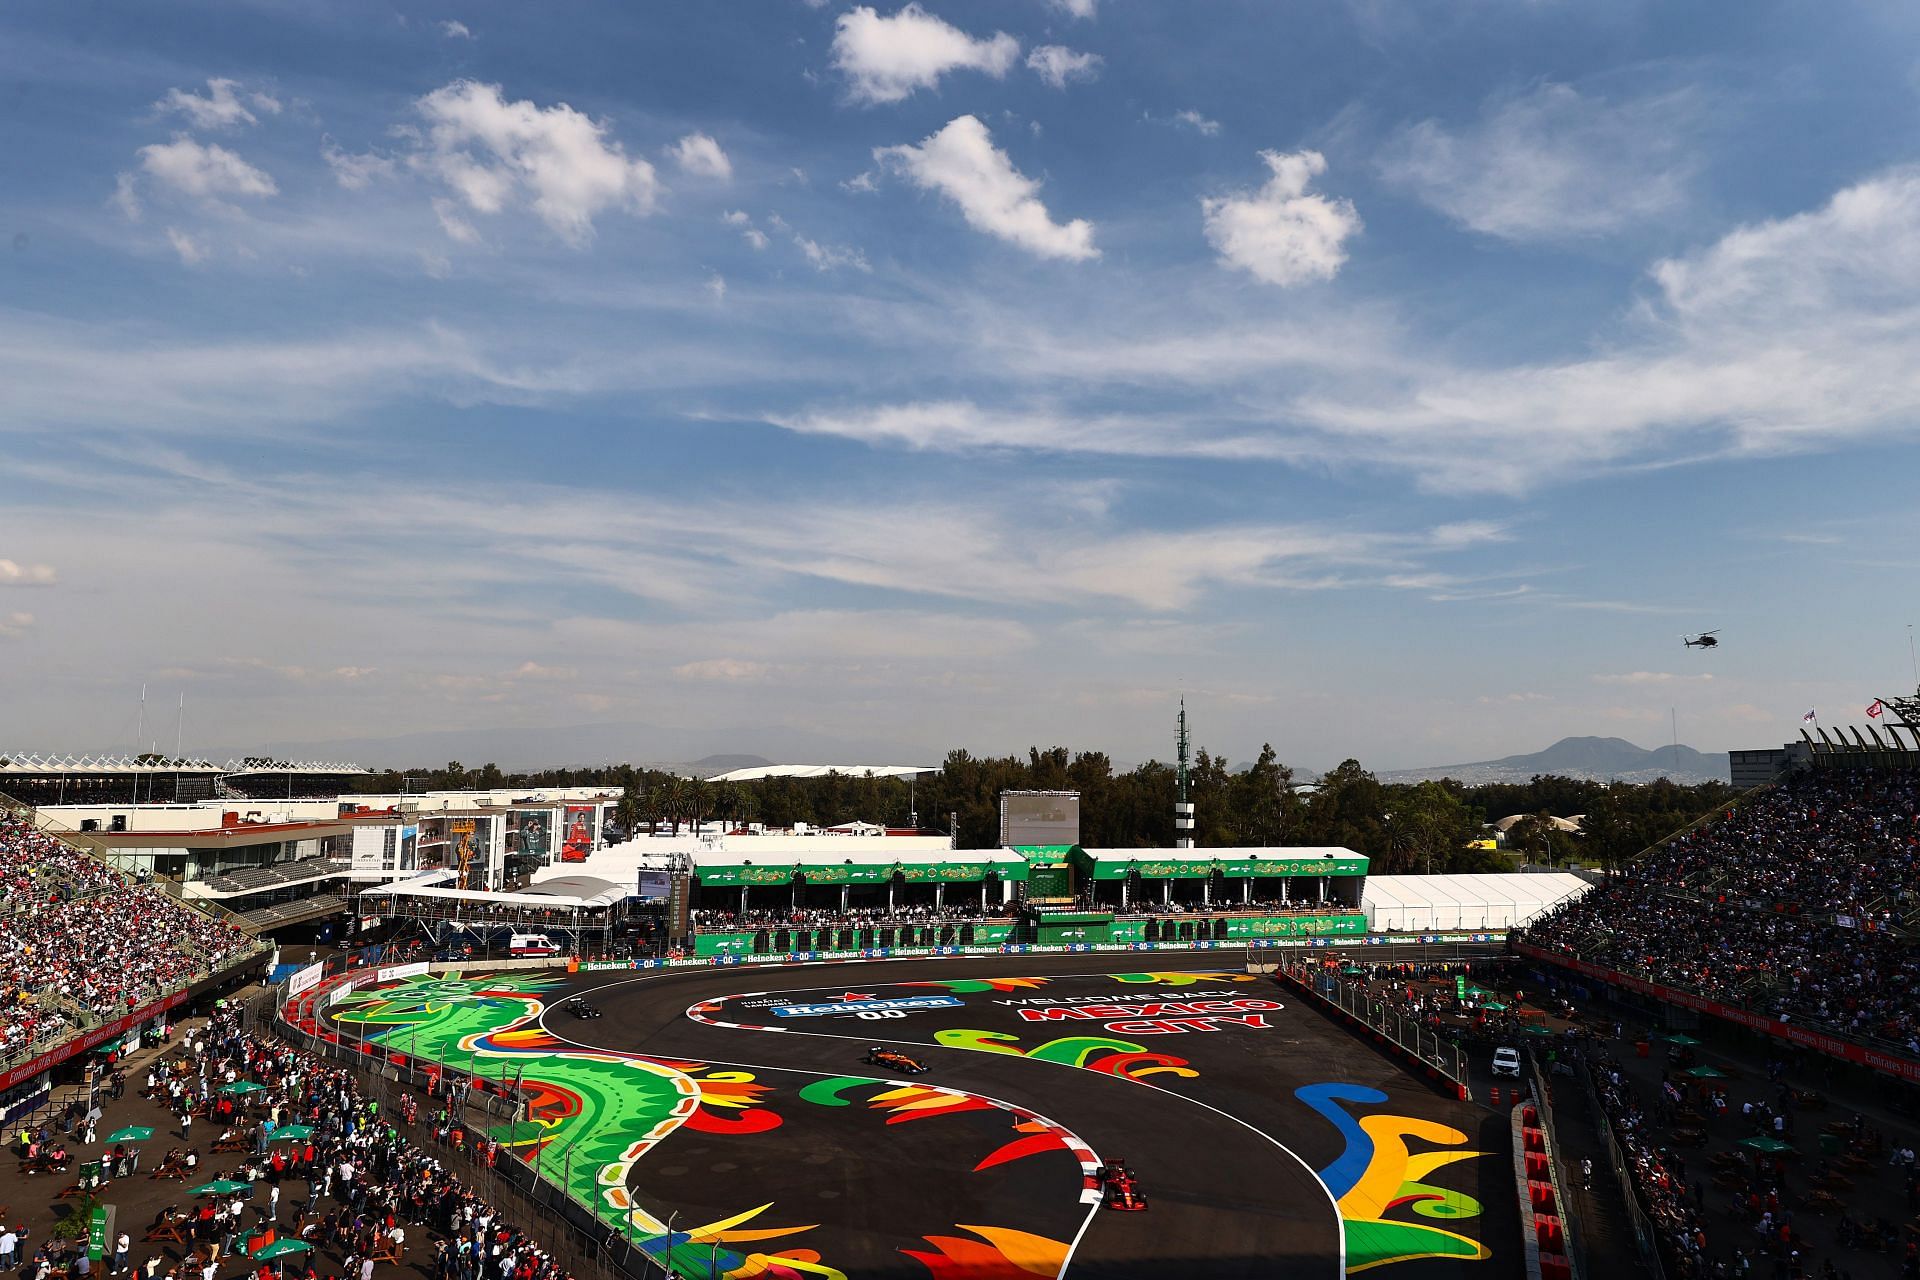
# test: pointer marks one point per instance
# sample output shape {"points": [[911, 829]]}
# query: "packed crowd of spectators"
{"points": [[365, 1190], [79, 940], [1795, 903]]}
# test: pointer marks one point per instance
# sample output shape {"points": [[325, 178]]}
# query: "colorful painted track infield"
{"points": [[1266, 1139], [726, 1173], [1410, 1182]]}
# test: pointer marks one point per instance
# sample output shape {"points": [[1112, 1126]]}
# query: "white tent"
{"points": [[1432, 904]]}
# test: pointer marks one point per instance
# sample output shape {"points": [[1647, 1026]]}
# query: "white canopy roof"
{"points": [[563, 892], [1420, 904]]}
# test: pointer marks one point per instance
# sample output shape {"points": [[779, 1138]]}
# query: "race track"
{"points": [[1266, 1139]]}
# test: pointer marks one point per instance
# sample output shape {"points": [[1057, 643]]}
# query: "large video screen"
{"points": [[1039, 817]]}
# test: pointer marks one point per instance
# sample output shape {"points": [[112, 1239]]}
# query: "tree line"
{"points": [[1421, 827]]}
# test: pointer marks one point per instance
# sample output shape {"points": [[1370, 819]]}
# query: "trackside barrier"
{"points": [[1441, 1064], [1549, 1233]]}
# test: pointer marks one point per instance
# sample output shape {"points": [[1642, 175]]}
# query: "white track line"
{"points": [[1339, 1222]]}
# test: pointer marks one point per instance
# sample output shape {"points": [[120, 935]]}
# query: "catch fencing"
{"points": [[1443, 1061]]}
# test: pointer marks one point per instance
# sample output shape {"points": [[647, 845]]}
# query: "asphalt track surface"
{"points": [[1227, 1158]]}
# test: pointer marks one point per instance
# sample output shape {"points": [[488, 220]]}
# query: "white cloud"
{"points": [[455, 30], [717, 286], [1077, 8], [1280, 234], [740, 219], [826, 257], [886, 59], [126, 197], [961, 163], [15, 625], [13, 574], [727, 670], [862, 183], [1652, 677], [221, 108], [457, 228], [1784, 335], [204, 170], [702, 157], [1057, 65], [489, 150], [1194, 120], [353, 171], [1552, 164], [191, 251]]}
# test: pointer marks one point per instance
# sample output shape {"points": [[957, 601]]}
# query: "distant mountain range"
{"points": [[1597, 759]]}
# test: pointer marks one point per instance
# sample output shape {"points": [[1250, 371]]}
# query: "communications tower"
{"points": [[1183, 801]]}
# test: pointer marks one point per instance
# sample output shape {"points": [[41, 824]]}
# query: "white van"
{"points": [[532, 944], [1506, 1062]]}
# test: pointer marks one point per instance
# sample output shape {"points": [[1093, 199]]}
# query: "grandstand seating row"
{"points": [[1799, 903], [82, 943]]}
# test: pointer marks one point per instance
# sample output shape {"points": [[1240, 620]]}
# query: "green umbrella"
{"points": [[1537, 1030], [292, 1133], [280, 1248], [221, 1187], [241, 1086], [1772, 1146], [1707, 1073], [1679, 1037], [132, 1133], [1494, 1006]]}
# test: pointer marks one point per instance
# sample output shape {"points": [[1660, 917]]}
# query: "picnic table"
{"points": [[171, 1227]]}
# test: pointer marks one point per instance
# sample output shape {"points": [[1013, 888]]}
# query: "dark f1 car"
{"points": [[894, 1060], [581, 1009], [1119, 1190]]}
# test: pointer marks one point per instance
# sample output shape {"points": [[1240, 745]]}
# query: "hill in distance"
{"points": [[1595, 759]]}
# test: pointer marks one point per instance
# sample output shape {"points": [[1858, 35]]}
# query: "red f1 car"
{"points": [[1119, 1190], [894, 1060]]}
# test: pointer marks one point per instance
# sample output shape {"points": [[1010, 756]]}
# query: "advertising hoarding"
{"points": [[577, 832]]}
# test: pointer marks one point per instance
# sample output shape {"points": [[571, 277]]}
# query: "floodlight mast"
{"points": [[1183, 801]]}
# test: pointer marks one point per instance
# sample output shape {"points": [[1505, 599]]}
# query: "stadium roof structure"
{"points": [[822, 770], [34, 764], [1425, 904]]}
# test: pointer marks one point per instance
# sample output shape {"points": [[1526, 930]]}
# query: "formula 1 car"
{"points": [[581, 1009], [894, 1060], [1119, 1190]]}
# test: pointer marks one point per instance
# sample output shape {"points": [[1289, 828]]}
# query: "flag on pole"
{"points": [[1809, 718], [1874, 709]]}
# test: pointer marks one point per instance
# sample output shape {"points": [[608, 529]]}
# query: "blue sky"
{"points": [[1395, 381]]}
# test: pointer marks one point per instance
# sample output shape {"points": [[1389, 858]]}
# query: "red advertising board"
{"points": [[80, 1044], [1807, 1037]]}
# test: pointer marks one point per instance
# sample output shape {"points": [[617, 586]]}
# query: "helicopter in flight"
{"points": [[1705, 640]]}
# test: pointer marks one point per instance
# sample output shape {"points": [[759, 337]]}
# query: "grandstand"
{"points": [[1794, 913], [90, 954], [40, 779]]}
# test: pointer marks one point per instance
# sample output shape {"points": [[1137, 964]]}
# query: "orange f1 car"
{"points": [[894, 1060]]}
